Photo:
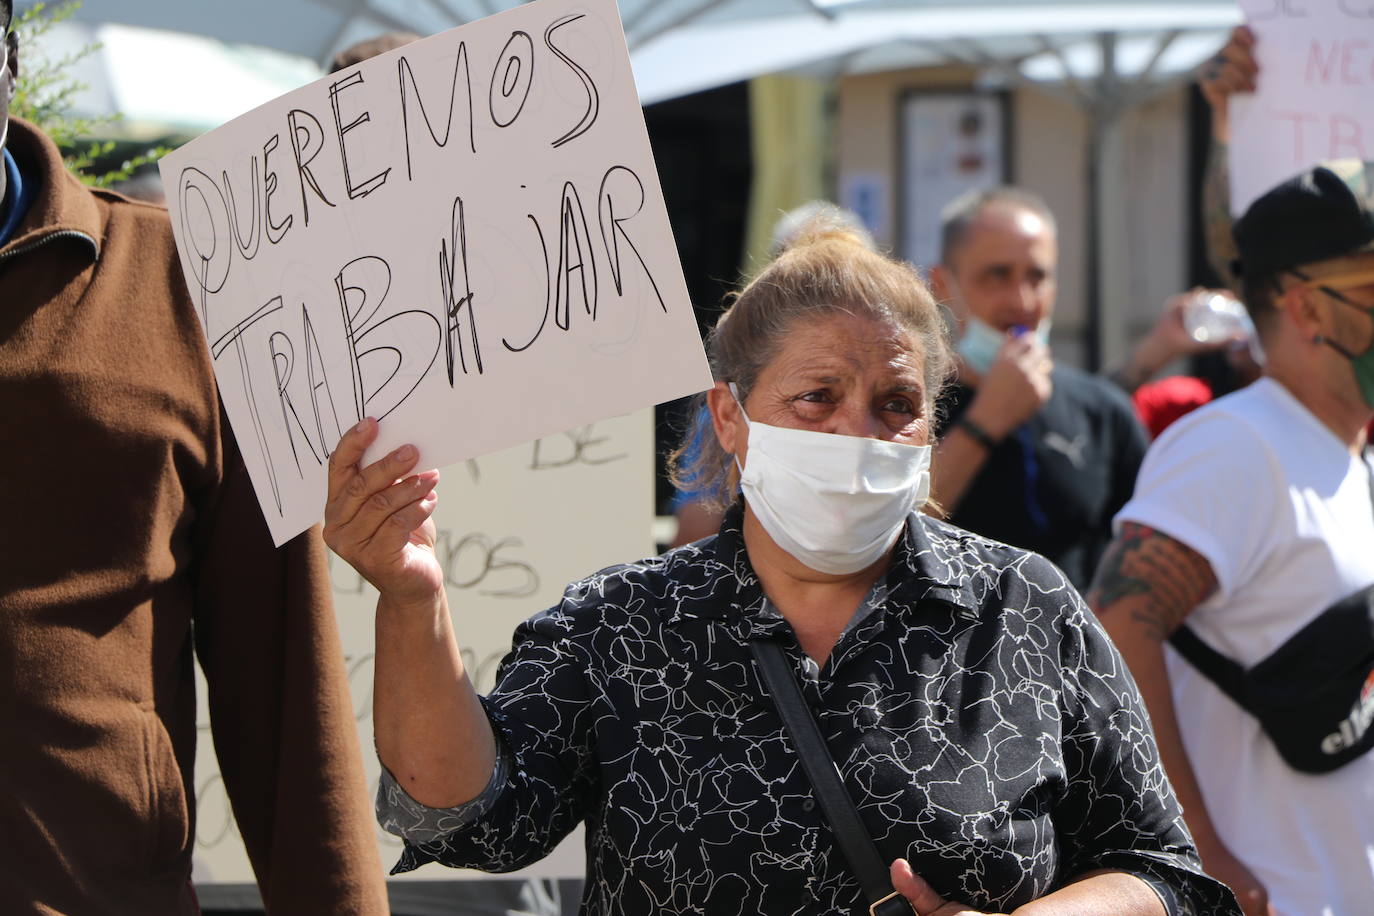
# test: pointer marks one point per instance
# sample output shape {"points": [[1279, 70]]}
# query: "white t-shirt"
{"points": [[1282, 511]]}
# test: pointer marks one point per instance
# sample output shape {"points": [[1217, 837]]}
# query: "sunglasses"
{"points": [[1349, 272]]}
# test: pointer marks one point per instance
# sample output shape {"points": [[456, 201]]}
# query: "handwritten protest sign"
{"points": [[465, 238], [513, 529], [1315, 98]]}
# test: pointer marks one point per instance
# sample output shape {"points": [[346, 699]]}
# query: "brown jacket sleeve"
{"points": [[280, 710]]}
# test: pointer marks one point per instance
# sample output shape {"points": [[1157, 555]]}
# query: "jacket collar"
{"points": [[62, 207]]}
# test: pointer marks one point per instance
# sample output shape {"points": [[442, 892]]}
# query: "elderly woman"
{"points": [[995, 746]]}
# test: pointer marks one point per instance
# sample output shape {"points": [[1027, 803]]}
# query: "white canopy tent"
{"points": [[782, 33], [127, 75], [1018, 40], [683, 46]]}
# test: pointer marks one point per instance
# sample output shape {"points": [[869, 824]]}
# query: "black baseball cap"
{"points": [[1324, 213]]}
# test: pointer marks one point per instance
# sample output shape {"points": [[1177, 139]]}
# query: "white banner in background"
{"points": [[465, 238], [1315, 97], [514, 529]]}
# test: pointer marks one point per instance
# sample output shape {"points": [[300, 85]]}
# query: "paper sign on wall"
{"points": [[464, 238], [1315, 97]]}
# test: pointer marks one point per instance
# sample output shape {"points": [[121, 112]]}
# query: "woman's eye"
{"points": [[900, 405], [815, 397]]}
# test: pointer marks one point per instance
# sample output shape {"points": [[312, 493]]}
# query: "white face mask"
{"points": [[835, 503]]}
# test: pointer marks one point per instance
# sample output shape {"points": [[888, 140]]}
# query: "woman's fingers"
{"points": [[922, 897], [343, 463], [386, 508], [398, 529], [377, 517], [358, 488]]}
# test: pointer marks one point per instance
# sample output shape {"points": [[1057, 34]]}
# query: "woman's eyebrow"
{"points": [[824, 376]]}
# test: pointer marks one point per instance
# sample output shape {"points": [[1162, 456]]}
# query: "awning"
{"points": [[683, 46], [162, 83], [1036, 41]]}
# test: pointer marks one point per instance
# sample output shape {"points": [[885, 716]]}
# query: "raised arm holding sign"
{"points": [[464, 238]]}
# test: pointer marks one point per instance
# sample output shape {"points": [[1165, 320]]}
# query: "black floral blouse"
{"points": [[987, 728]]}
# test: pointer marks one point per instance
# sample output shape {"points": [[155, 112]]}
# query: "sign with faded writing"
{"points": [[464, 238], [1315, 97], [513, 529]]}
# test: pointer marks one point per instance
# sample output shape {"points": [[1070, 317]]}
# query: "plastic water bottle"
{"points": [[1212, 317]]}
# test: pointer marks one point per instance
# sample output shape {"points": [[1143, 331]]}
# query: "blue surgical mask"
{"points": [[981, 342], [979, 345]]}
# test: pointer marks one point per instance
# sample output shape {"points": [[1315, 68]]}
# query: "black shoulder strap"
{"points": [[1220, 670], [1228, 675], [850, 833]]}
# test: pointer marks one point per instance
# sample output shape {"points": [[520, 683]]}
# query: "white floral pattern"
{"points": [[979, 715]]}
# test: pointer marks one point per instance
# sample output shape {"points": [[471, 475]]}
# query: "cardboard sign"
{"points": [[514, 529], [1315, 97], [464, 238]]}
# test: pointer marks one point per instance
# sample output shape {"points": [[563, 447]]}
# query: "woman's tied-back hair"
{"points": [[827, 268]]}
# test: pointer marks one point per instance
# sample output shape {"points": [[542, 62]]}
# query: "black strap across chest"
{"points": [[1310, 694], [851, 835]]}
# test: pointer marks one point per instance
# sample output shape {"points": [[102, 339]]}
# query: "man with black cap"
{"points": [[130, 540], [1248, 548]]}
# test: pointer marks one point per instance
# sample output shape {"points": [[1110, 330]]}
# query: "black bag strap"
{"points": [[850, 833], [1227, 674]]}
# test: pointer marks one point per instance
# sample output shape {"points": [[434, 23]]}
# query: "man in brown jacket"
{"points": [[129, 538]]}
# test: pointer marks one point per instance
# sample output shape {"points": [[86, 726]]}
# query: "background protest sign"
{"points": [[506, 554], [464, 238], [1315, 97]]}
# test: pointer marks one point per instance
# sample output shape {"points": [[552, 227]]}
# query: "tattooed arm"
{"points": [[1146, 584]]}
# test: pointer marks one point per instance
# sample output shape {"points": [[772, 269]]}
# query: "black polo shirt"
{"points": [[1054, 484]]}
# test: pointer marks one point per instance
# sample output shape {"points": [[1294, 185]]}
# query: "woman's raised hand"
{"points": [[378, 518]]}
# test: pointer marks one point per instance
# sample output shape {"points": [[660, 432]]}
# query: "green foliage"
{"points": [[45, 94]]}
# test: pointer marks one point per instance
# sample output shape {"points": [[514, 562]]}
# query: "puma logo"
{"points": [[1071, 449]]}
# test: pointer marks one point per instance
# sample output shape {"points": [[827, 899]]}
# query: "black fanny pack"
{"points": [[1314, 695]]}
